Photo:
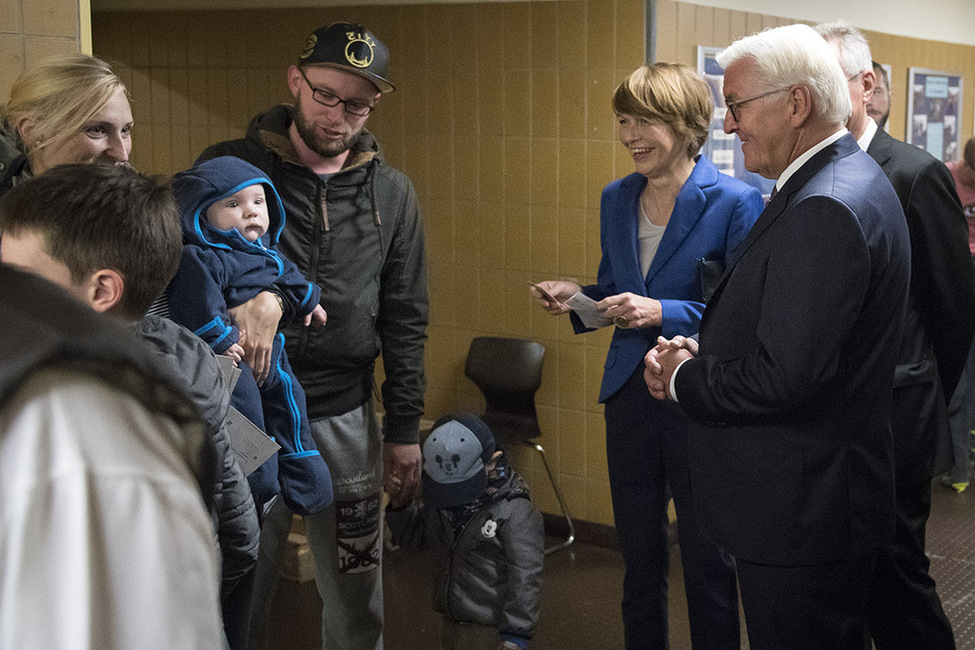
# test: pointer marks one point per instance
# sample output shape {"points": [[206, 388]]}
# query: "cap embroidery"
{"points": [[360, 56], [448, 465]]}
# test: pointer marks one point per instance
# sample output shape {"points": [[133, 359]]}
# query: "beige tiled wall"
{"points": [[33, 29], [502, 118]]}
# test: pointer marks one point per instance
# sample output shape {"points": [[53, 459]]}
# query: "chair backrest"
{"points": [[508, 371]]}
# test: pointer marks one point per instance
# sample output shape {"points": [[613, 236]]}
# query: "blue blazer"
{"points": [[711, 217]]}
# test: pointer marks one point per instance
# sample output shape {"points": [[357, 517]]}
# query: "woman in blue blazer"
{"points": [[661, 228]]}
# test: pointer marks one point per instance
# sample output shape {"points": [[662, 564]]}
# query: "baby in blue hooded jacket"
{"points": [[232, 218]]}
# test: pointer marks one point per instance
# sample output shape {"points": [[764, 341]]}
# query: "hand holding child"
{"points": [[259, 316], [317, 317]]}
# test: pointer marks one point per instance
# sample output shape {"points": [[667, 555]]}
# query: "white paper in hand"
{"points": [[251, 445], [585, 308], [230, 371]]}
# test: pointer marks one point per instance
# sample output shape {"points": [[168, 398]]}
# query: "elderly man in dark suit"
{"points": [[904, 610], [790, 449]]}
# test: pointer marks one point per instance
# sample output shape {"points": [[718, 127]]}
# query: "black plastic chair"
{"points": [[509, 371]]}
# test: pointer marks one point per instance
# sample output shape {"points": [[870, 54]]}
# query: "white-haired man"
{"points": [[789, 392], [903, 609]]}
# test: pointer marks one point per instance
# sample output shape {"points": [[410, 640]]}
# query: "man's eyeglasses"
{"points": [[326, 98], [734, 106]]}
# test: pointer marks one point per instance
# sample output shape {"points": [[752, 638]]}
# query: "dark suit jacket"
{"points": [[941, 309], [790, 445], [712, 215]]}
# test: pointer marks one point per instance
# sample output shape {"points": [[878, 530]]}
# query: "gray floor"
{"points": [[580, 607]]}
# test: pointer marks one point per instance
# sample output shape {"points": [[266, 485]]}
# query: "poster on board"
{"points": [[724, 149], [934, 112]]}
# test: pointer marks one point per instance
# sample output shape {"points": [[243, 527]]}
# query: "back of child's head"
{"points": [[100, 216], [199, 187], [454, 458]]}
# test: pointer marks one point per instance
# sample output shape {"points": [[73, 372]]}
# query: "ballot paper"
{"points": [[230, 371], [585, 308], [250, 445]]}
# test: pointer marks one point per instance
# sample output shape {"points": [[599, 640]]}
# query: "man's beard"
{"points": [[324, 148]]}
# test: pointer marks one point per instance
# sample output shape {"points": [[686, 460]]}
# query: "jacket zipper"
{"points": [[321, 225], [450, 564]]}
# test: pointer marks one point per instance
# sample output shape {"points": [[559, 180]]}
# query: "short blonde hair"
{"points": [[59, 95], [671, 94]]}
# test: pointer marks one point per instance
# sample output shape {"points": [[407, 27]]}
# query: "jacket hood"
{"points": [[198, 188]]}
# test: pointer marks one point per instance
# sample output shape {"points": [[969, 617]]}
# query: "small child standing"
{"points": [[478, 511], [232, 217]]}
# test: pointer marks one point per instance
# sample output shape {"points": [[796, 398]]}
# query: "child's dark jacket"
{"points": [[220, 269], [490, 571]]}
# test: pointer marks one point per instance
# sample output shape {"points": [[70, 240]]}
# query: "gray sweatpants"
{"points": [[345, 539]]}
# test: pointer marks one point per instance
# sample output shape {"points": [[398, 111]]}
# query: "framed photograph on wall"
{"points": [[934, 112], [724, 149]]}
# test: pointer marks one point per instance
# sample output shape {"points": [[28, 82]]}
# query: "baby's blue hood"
{"points": [[198, 188]]}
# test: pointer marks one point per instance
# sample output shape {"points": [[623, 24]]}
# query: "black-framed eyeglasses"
{"points": [[326, 98], [734, 106]]}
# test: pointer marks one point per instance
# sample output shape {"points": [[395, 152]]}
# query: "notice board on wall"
{"points": [[724, 149], [934, 112]]}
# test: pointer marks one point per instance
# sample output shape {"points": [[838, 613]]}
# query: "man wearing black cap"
{"points": [[354, 228]]}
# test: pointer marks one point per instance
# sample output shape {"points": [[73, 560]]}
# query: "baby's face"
{"points": [[246, 211]]}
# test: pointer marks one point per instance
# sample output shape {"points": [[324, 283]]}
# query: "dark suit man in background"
{"points": [[878, 104], [904, 610], [790, 449]]}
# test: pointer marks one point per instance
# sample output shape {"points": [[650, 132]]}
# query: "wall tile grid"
{"points": [[31, 30], [502, 119]]}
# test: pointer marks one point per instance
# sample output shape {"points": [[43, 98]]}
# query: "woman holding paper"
{"points": [[675, 219]]}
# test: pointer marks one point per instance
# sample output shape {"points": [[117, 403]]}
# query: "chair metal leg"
{"points": [[558, 495]]}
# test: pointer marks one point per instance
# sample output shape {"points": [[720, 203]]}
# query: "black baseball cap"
{"points": [[350, 47]]}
